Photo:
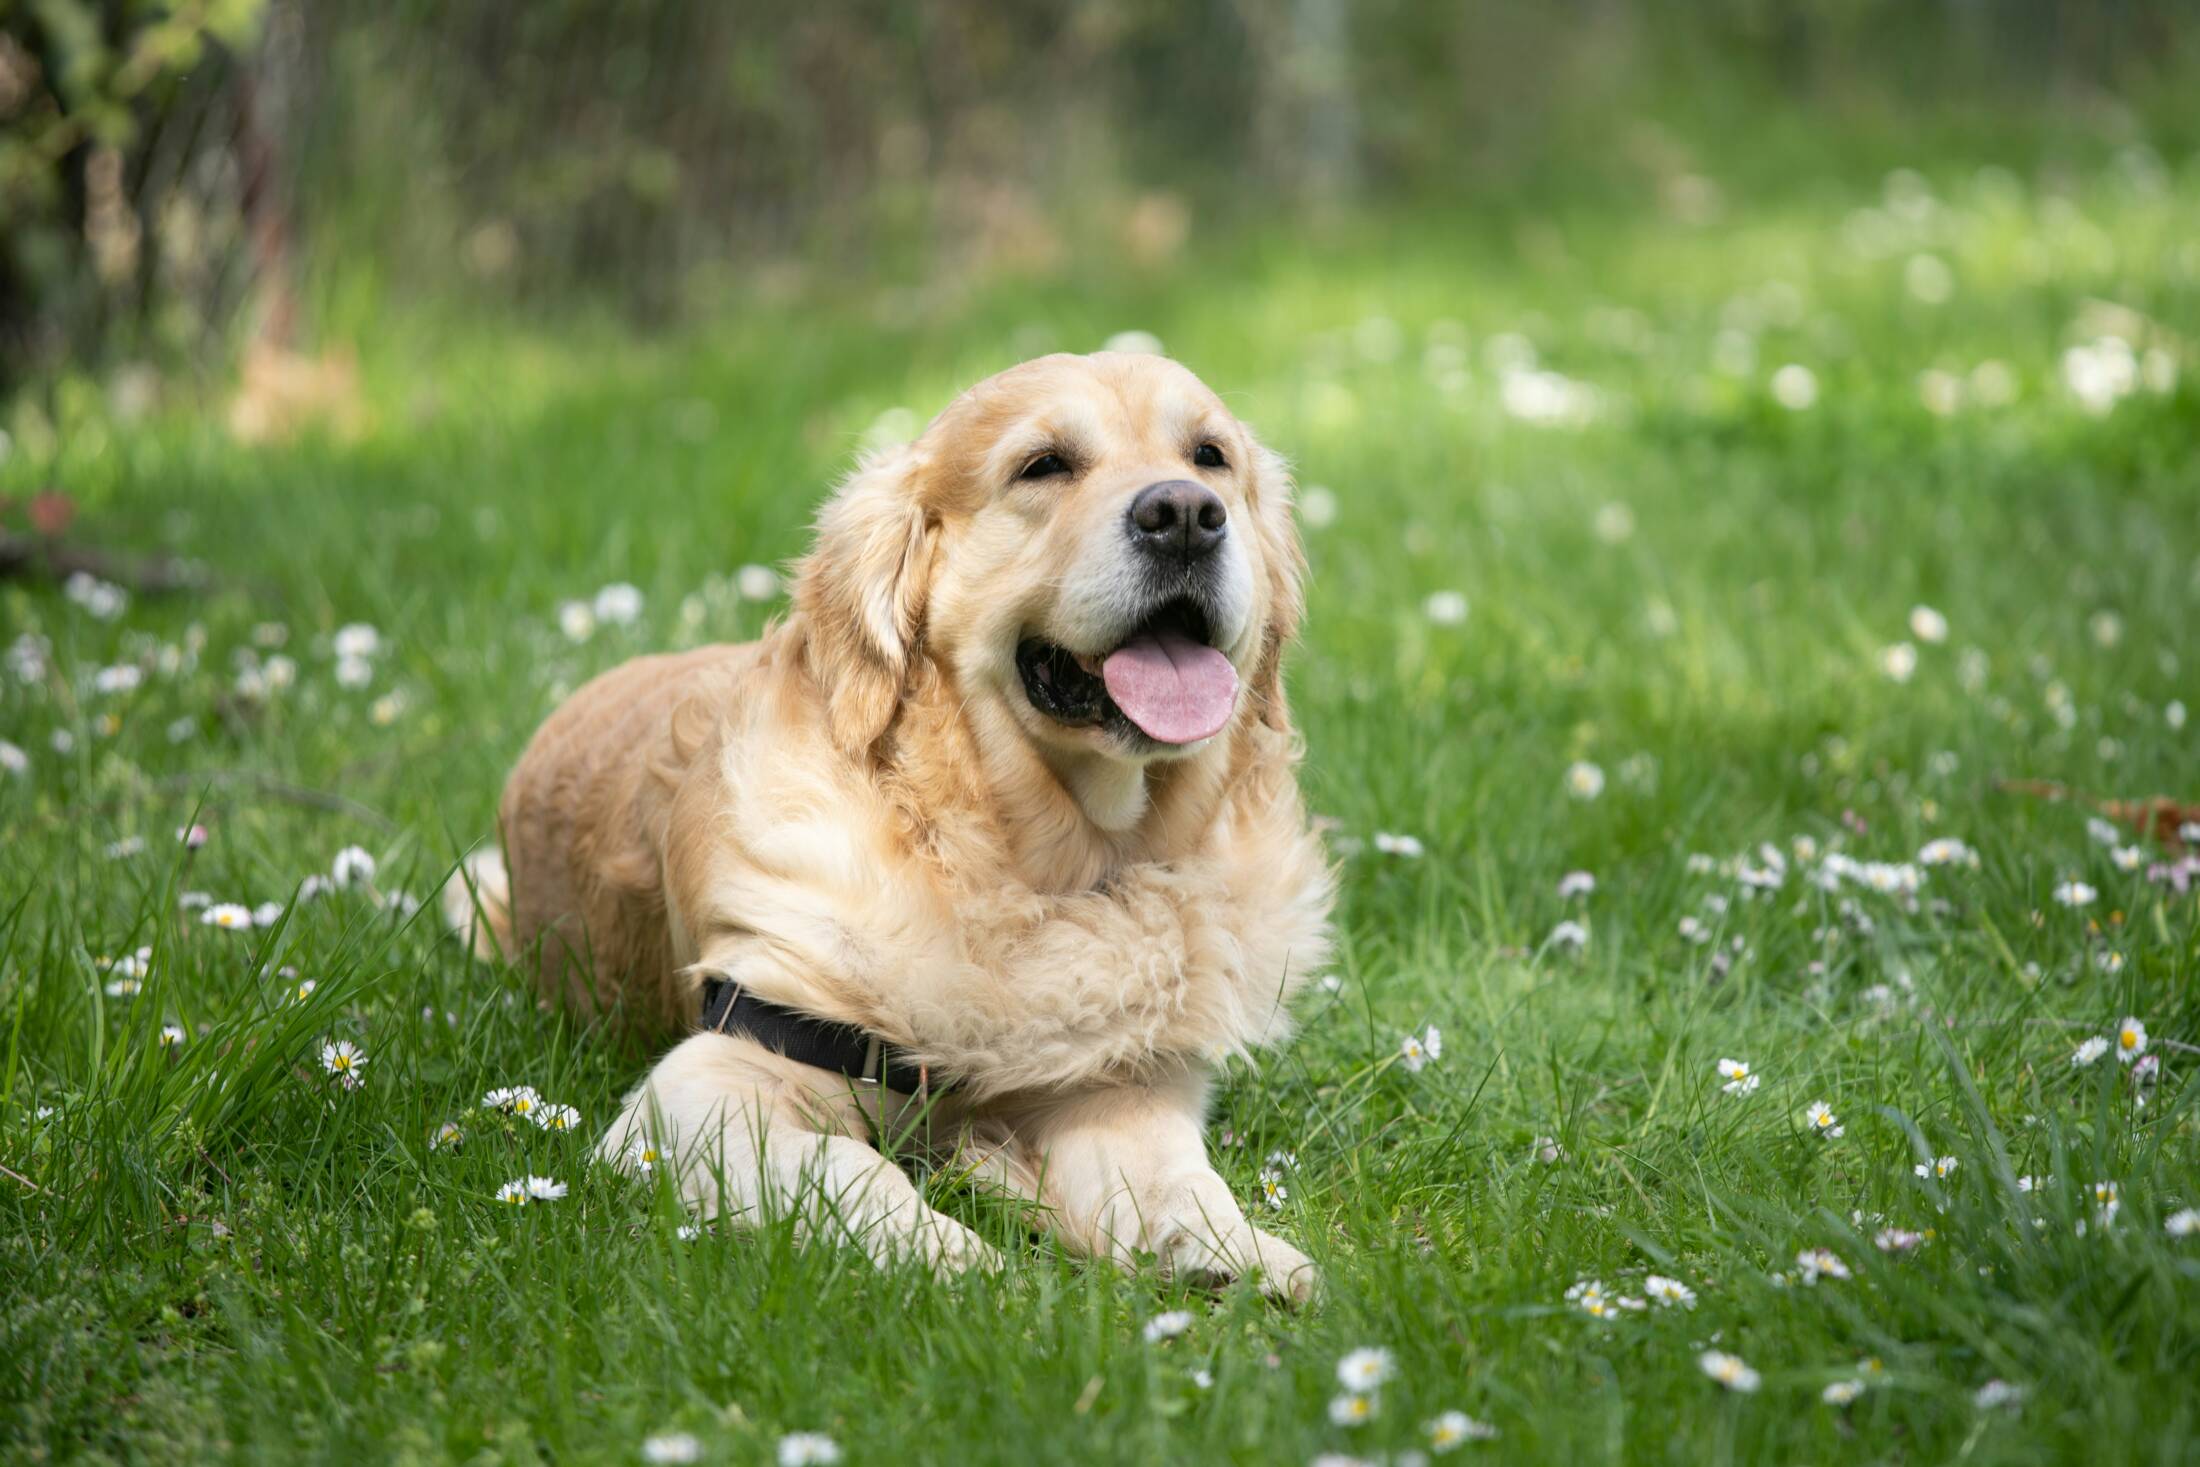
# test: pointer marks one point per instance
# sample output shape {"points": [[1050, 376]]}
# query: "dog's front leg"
{"points": [[1124, 1172], [750, 1135]]}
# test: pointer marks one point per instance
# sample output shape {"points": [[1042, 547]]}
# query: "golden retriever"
{"points": [[1012, 788]]}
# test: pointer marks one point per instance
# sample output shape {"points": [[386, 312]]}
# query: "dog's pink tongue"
{"points": [[1174, 688]]}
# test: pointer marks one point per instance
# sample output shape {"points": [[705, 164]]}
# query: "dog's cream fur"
{"points": [[861, 816]]}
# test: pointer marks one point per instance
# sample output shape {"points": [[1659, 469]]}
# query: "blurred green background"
{"points": [[183, 179]]}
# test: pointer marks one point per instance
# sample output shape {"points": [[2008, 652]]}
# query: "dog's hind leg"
{"points": [[477, 904], [751, 1136]]}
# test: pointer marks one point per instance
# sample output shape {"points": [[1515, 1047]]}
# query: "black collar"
{"points": [[852, 1051]]}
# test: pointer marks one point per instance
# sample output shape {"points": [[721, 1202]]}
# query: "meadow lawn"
{"points": [[1732, 553]]}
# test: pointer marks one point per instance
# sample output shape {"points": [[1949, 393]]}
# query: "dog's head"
{"points": [[1092, 549]]}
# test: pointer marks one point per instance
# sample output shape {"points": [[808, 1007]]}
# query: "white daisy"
{"points": [[1407, 846], [2092, 1049], [1693, 930], [103, 600], [1364, 1369], [303, 991], [2182, 1223], [122, 678], [13, 759], [1569, 935], [1818, 1263], [229, 916], [1419, 1050], [1445, 608], [2075, 894], [643, 1157], [520, 1100], [618, 604], [672, 1446], [1167, 1326], [1896, 1240], [1272, 1190], [513, 1193], [344, 1060], [557, 1117], [1454, 1428], [1841, 1392], [2131, 1040], [352, 867], [446, 1136], [267, 914], [1795, 387], [1947, 851], [687, 1232], [1740, 1079], [358, 639], [1589, 1296], [171, 1035], [1928, 625], [1669, 1292], [1730, 1371], [1938, 1169], [1350, 1409], [2128, 858], [1576, 884], [1898, 662], [543, 1189], [808, 1449], [1584, 781]]}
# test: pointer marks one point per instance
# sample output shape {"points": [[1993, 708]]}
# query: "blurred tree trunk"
{"points": [[1306, 124]]}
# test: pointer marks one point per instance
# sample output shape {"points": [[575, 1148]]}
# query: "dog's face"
{"points": [[1094, 549]]}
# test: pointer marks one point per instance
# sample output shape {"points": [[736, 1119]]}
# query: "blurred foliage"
{"points": [[120, 193], [162, 162]]}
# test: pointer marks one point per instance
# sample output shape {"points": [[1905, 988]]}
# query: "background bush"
{"points": [[170, 170]]}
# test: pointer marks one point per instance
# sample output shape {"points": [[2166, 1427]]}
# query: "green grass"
{"points": [[205, 1252]]}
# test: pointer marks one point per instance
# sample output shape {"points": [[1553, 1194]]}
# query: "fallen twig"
{"points": [[296, 794], [27, 555]]}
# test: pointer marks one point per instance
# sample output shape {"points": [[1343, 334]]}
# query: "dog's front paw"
{"points": [[1286, 1274], [937, 1241], [1193, 1250]]}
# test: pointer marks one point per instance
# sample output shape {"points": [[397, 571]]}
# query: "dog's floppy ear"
{"points": [[1285, 558], [860, 593]]}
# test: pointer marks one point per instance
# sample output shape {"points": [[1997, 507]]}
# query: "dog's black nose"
{"points": [[1178, 520]]}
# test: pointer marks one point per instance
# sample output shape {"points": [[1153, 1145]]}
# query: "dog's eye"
{"points": [[1045, 466], [1209, 456]]}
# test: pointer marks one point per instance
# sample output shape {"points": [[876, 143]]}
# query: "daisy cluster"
{"points": [[178, 687], [124, 976], [525, 1103]]}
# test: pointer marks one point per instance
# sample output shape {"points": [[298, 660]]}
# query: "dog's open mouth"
{"points": [[1166, 680]]}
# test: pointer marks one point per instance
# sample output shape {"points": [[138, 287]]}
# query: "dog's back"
{"points": [[579, 891]]}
